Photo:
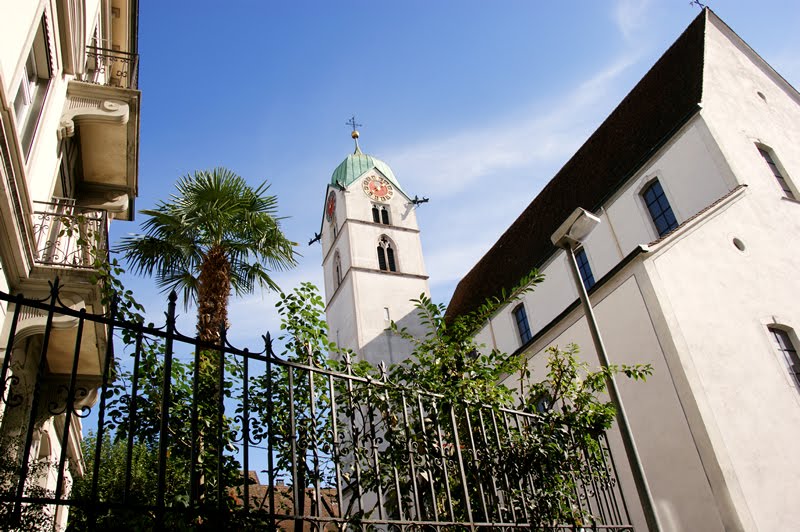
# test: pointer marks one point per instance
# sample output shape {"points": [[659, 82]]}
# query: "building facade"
{"points": [[692, 269], [372, 259], [69, 150]]}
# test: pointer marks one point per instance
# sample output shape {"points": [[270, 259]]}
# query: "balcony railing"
{"points": [[111, 68], [67, 235]]}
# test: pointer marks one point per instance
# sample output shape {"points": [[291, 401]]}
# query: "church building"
{"points": [[372, 259], [693, 268]]}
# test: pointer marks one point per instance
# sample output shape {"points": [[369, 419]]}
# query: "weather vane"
{"points": [[352, 123]]}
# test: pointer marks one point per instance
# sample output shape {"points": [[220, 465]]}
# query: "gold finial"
{"points": [[354, 135]]}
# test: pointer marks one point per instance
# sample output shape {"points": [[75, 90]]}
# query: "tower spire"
{"points": [[354, 135]]}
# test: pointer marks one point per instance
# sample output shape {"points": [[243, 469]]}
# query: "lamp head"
{"points": [[575, 229]]}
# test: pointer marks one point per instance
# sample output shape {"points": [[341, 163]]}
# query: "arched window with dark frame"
{"points": [[769, 158], [785, 347], [659, 208], [386, 256], [523, 327], [337, 270], [380, 214]]}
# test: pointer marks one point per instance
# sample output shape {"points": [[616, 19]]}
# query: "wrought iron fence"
{"points": [[111, 68], [170, 432], [68, 235]]}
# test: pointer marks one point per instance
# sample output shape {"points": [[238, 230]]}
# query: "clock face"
{"points": [[330, 206], [377, 188]]}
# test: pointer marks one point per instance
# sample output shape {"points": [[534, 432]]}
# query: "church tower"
{"points": [[372, 259]]}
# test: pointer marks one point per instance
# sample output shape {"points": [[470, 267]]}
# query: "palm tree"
{"points": [[216, 234]]}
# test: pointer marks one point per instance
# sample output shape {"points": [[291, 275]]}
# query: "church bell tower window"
{"points": [[337, 270], [386, 259], [380, 214]]}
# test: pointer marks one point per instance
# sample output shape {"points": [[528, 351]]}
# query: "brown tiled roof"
{"points": [[665, 98], [259, 495]]}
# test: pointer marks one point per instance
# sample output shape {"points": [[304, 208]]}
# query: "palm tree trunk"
{"points": [[212, 314], [214, 287]]}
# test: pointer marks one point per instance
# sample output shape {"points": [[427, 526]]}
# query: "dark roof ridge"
{"points": [[658, 105]]}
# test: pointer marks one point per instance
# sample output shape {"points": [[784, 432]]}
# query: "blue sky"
{"points": [[474, 104]]}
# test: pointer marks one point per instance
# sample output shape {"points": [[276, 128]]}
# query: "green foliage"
{"points": [[560, 447], [26, 517], [554, 451], [291, 396], [448, 361], [144, 475], [214, 208]]}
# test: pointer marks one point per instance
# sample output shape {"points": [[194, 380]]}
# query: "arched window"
{"points": [[380, 214], [386, 257], [784, 346], [659, 207], [521, 317], [769, 158], [337, 271]]}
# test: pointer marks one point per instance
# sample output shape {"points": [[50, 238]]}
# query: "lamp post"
{"points": [[569, 235]]}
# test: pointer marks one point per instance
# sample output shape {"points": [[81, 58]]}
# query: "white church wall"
{"points": [[739, 117], [675, 473], [485, 338], [691, 181], [364, 239], [375, 295], [720, 312], [689, 176]]}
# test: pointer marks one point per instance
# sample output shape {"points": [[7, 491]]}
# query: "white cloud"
{"points": [[529, 137], [630, 16]]}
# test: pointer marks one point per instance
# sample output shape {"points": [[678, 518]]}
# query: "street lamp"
{"points": [[570, 235]]}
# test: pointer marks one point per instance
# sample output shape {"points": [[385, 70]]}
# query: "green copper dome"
{"points": [[354, 167]]}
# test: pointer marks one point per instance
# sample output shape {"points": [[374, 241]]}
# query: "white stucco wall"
{"points": [[675, 473], [692, 177], [718, 300]]}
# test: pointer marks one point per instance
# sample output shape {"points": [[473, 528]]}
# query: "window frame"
{"points": [[380, 214], [337, 271], [643, 191], [525, 334], [778, 171], [33, 88], [387, 255], [788, 358], [585, 268]]}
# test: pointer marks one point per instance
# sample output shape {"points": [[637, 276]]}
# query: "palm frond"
{"points": [[211, 209]]}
